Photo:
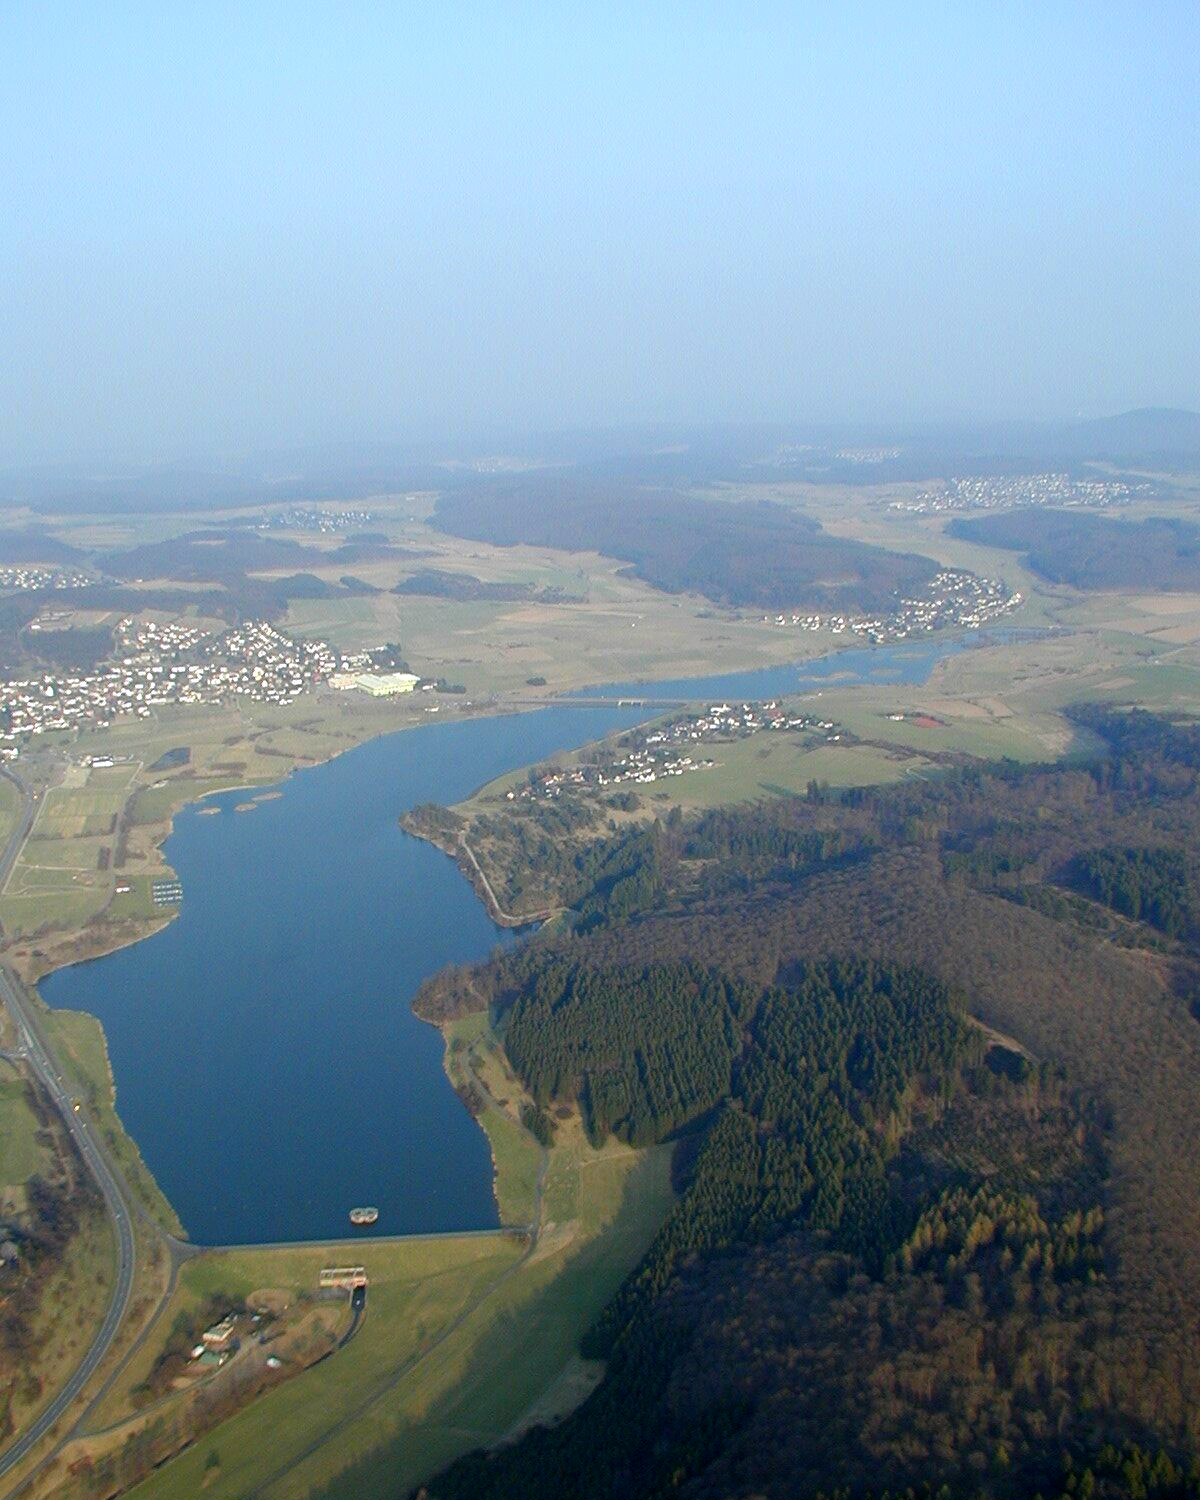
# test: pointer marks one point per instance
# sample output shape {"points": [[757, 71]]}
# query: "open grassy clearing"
{"points": [[10, 807], [777, 765], [21, 1154], [474, 1060]]}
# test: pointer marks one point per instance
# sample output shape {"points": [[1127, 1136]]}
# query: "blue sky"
{"points": [[248, 226]]}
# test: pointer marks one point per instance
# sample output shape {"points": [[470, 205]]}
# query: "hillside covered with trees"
{"points": [[906, 1251], [1094, 552], [762, 555]]}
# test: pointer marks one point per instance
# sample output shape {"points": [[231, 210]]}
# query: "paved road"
{"points": [[34, 1049]]}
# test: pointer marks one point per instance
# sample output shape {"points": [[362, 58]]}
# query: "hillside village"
{"points": [[655, 754], [164, 663], [22, 578], [1000, 492], [953, 600]]}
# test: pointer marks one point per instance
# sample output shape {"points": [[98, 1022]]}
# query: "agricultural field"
{"points": [[63, 875], [610, 628]]}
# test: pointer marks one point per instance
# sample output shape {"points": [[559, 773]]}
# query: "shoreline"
{"points": [[134, 930], [99, 938], [131, 930]]}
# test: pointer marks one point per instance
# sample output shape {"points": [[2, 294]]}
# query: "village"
{"points": [[953, 600], [654, 754], [164, 663], [309, 518], [23, 578], [1002, 492]]}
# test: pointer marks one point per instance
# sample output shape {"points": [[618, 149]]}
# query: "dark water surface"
{"points": [[266, 1058]]}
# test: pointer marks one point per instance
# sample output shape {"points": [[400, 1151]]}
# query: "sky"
{"points": [[234, 228]]}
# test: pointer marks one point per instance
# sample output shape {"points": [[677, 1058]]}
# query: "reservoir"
{"points": [[267, 1060]]}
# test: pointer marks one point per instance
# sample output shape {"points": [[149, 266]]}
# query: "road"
{"points": [[495, 910], [34, 1048]]}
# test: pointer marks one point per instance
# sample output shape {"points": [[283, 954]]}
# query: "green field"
{"points": [[10, 806], [474, 1053], [20, 1153], [417, 1386]]}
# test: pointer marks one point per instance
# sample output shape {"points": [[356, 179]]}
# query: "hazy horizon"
{"points": [[229, 233]]}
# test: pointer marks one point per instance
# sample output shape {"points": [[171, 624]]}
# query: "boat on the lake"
{"points": [[360, 1217]]}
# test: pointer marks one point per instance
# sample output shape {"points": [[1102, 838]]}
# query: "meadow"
{"points": [[462, 1336]]}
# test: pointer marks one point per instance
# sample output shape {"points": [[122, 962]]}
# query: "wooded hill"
{"points": [[1094, 552], [763, 555], [895, 1261]]}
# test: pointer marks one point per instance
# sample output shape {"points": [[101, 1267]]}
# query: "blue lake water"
{"points": [[266, 1057]]}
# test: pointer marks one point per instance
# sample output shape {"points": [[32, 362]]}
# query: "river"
{"points": [[266, 1057]]}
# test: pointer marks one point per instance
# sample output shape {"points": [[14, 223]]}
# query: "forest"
{"points": [[1094, 552], [762, 555], [438, 583], [908, 1254]]}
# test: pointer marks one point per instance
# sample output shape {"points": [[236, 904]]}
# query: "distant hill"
{"points": [[1094, 552], [679, 457], [764, 556], [34, 546], [1147, 431]]}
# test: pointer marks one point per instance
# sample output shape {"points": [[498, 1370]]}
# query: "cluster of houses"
{"points": [[1010, 491], [311, 519], [953, 599], [19, 579], [156, 664], [659, 753]]}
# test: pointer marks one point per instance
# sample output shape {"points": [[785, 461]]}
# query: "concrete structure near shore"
{"points": [[347, 1277]]}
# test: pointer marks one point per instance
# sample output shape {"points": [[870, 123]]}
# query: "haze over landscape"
{"points": [[600, 752], [243, 228]]}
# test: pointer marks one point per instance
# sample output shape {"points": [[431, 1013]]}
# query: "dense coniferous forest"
{"points": [[762, 555], [935, 1111], [1149, 885]]}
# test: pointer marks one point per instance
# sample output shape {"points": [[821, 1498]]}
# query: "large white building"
{"points": [[382, 684]]}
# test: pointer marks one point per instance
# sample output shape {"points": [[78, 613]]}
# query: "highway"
{"points": [[34, 1048]]}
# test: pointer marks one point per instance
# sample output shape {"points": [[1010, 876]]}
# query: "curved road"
{"points": [[34, 1048]]}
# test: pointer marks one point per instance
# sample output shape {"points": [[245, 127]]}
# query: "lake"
{"points": [[266, 1057]]}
